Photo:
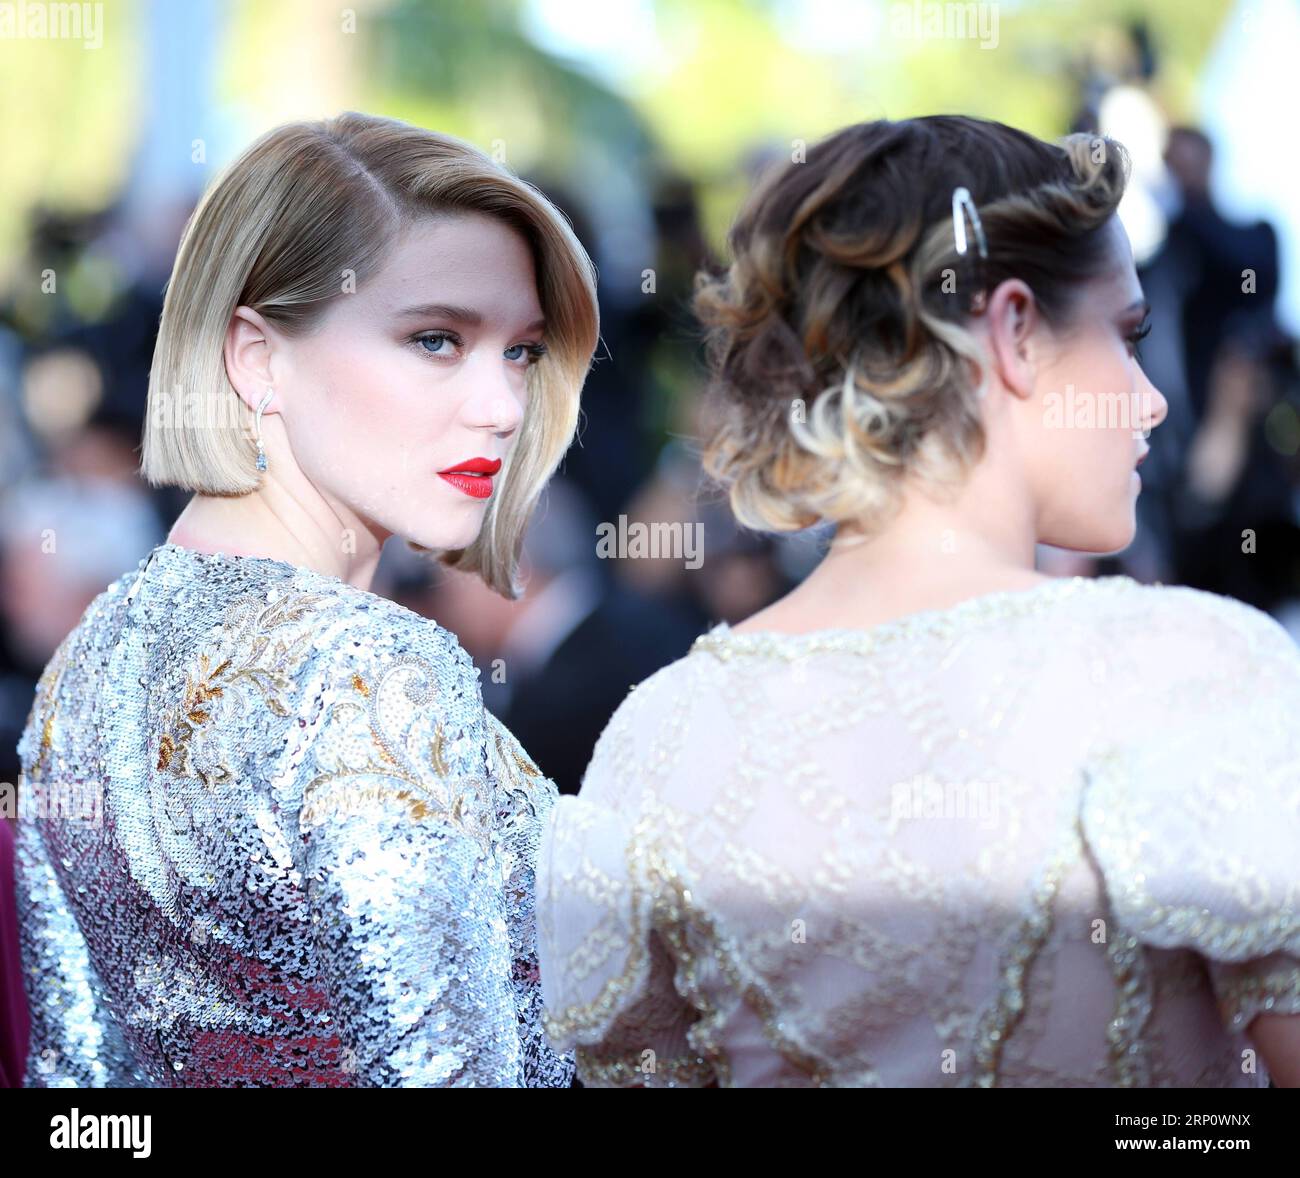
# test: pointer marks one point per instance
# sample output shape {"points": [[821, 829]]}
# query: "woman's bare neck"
{"points": [[825, 603]]}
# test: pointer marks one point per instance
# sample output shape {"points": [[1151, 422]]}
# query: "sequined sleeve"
{"points": [[610, 977], [1195, 817], [404, 889], [76, 1041], [528, 797]]}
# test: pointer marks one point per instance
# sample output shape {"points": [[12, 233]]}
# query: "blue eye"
{"points": [[433, 343], [535, 352], [436, 337]]}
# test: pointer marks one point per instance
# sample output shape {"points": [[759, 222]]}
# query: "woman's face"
{"points": [[420, 371], [1092, 408]]}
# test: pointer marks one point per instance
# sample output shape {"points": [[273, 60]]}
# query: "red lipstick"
{"points": [[473, 476]]}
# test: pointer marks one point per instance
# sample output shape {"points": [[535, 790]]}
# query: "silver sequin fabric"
{"points": [[269, 837]]}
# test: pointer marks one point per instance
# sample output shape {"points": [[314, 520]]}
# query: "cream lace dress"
{"points": [[1045, 837]]}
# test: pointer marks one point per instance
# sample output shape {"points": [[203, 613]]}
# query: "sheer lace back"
{"points": [[1044, 837]]}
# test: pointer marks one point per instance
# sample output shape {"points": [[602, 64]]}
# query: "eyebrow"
{"points": [[465, 315]]}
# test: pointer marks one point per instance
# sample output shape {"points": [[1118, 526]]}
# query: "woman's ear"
{"points": [[248, 348], [1011, 318]]}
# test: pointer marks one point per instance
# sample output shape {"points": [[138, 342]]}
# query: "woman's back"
{"points": [[1044, 837], [272, 838]]}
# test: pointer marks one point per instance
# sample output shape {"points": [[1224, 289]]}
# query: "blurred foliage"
{"points": [[727, 75], [69, 113], [466, 69], [742, 83]]}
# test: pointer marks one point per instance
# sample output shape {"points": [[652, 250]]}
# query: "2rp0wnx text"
{"points": [[1182, 1119]]}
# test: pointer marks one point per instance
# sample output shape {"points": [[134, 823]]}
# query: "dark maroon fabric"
{"points": [[14, 1024]]}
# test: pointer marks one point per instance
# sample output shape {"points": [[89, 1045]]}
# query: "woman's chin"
{"points": [[1116, 543], [443, 540], [1097, 539]]}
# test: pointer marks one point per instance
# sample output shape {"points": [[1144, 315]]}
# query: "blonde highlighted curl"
{"points": [[837, 342]]}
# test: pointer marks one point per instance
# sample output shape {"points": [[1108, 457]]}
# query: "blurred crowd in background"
{"points": [[74, 363]]}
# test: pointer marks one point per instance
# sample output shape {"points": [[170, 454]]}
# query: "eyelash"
{"points": [[1137, 337], [535, 351]]}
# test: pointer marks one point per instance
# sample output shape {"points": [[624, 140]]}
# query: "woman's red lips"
{"points": [[475, 466], [473, 476]]}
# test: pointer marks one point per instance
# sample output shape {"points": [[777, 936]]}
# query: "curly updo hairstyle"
{"points": [[837, 342]]}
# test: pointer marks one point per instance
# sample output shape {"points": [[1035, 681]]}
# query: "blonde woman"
{"points": [[934, 819], [310, 854]]}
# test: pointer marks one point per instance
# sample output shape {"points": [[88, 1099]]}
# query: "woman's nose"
{"points": [[1153, 405], [497, 409]]}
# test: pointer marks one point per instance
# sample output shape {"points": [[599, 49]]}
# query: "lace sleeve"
{"points": [[608, 978], [1194, 817], [1261, 985]]}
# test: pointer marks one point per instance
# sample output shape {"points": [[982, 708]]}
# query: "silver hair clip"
{"points": [[962, 207]]}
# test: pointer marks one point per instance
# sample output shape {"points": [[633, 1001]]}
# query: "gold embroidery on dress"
{"points": [[676, 912], [726, 643], [1133, 1004], [1241, 999], [49, 685], [192, 712], [1126, 873], [597, 1070], [792, 760], [588, 1016], [263, 658], [427, 788], [523, 763], [1000, 1018], [47, 728], [435, 751], [511, 756], [658, 889], [46, 702]]}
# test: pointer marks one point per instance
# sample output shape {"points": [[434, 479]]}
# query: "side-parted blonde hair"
{"points": [[839, 349], [306, 213]]}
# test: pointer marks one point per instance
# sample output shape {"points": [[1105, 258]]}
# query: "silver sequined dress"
{"points": [[270, 837]]}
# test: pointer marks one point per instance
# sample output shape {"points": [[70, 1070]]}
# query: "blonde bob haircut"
{"points": [[307, 213]]}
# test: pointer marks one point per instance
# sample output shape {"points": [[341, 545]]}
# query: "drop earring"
{"points": [[261, 453]]}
